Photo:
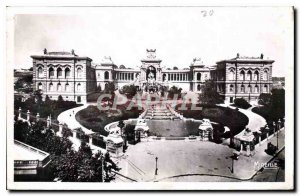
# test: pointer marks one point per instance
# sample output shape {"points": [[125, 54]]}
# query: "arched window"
{"points": [[58, 87], [256, 88], [78, 87], [40, 72], [256, 75], [231, 88], [59, 72], [106, 75], [265, 76], [198, 76], [249, 75], [265, 88], [242, 75], [249, 88], [40, 86], [231, 75], [79, 72], [67, 73], [242, 88], [51, 87], [67, 87], [198, 87], [51, 72]]}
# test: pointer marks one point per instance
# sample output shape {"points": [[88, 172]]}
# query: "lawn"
{"points": [[95, 119], [233, 119]]}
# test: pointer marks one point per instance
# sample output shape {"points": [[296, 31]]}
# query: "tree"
{"points": [[21, 130], [47, 100], [209, 95], [274, 106], [265, 99], [175, 68], [121, 124], [66, 165], [109, 88], [66, 132], [174, 91], [277, 104], [129, 90], [130, 132], [163, 90], [38, 96], [60, 98], [241, 103], [98, 88]]}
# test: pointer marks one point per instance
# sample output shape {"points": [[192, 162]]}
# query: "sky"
{"points": [[178, 34]]}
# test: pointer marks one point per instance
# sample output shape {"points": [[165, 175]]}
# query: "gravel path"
{"points": [[255, 121]]}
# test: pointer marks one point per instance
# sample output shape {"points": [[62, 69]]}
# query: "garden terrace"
{"points": [[95, 119]]}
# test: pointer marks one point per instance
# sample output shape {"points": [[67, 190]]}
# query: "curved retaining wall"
{"points": [[115, 124]]}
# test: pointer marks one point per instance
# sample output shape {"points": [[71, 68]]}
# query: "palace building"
{"points": [[75, 77]]}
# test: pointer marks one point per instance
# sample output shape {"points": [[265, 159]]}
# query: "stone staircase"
{"points": [[157, 112]]}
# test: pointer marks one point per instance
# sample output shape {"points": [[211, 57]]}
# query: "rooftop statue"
{"points": [[151, 53]]}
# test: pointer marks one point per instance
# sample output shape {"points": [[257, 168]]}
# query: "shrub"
{"points": [[129, 131], [209, 95], [264, 99], [241, 103], [129, 90], [174, 90]]}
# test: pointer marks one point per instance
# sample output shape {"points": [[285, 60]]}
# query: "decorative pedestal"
{"points": [[206, 130]]}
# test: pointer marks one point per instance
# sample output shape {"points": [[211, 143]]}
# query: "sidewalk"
{"points": [[68, 117], [259, 157]]}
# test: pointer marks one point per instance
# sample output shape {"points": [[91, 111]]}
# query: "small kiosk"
{"points": [[246, 141]]}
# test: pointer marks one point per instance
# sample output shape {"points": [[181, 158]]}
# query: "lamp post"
{"points": [[121, 125], [278, 124], [156, 169], [233, 157]]}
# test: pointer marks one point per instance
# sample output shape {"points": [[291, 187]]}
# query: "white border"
{"points": [[288, 184]]}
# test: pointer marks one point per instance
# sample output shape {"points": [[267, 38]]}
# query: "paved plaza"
{"points": [[190, 160]]}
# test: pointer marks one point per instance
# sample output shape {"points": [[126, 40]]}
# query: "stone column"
{"points": [[28, 115], [267, 136], [60, 128], [248, 150], [48, 121], [90, 140], [74, 134], [37, 117], [20, 110]]}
